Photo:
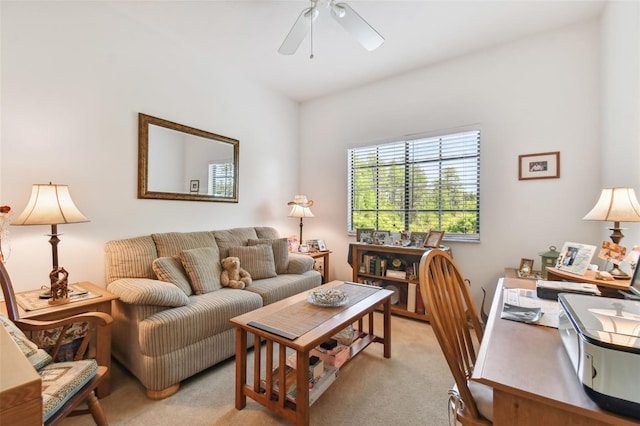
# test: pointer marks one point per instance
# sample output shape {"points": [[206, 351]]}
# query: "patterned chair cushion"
{"points": [[46, 339], [280, 252], [37, 357], [61, 380], [256, 260], [170, 270], [203, 267]]}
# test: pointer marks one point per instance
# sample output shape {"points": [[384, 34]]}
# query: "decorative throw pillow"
{"points": [[170, 270], [172, 243], [257, 260], [203, 267], [280, 252], [233, 238]]}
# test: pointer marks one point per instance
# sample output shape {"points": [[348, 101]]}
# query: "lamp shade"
{"points": [[300, 206], [50, 204], [616, 205]]}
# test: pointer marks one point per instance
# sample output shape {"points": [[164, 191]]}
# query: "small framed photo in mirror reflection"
{"points": [[195, 186]]}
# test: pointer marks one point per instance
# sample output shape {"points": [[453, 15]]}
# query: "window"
{"points": [[418, 184], [221, 180]]}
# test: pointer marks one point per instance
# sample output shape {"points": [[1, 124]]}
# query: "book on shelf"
{"points": [[316, 365], [411, 297], [335, 357], [396, 274]]}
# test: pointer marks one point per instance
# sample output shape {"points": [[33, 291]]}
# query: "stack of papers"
{"points": [[523, 305]]}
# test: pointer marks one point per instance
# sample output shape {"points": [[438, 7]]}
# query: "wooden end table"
{"points": [[102, 342], [259, 390], [324, 255]]}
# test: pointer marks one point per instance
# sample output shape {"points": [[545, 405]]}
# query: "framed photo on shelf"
{"points": [[322, 246], [526, 265], [434, 239], [364, 235], [545, 165], [418, 239], [381, 237], [575, 257]]}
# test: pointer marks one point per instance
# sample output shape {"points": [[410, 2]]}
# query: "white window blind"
{"points": [[417, 184], [221, 178]]}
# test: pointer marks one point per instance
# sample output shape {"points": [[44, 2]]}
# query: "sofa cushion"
{"points": [[172, 243], [37, 357], [206, 315], [299, 263], [203, 267], [129, 258], [256, 260], [233, 238], [280, 251], [170, 270], [62, 380], [141, 291], [266, 232], [285, 285]]}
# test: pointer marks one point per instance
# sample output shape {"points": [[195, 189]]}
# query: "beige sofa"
{"points": [[172, 317]]}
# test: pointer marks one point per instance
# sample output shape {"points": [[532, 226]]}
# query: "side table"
{"points": [[80, 306], [324, 255]]}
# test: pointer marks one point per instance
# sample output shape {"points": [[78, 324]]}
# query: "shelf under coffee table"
{"points": [[313, 325]]}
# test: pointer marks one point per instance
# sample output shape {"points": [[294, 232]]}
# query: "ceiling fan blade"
{"points": [[369, 38], [299, 31]]}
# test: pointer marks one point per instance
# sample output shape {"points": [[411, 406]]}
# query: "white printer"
{"points": [[602, 338]]}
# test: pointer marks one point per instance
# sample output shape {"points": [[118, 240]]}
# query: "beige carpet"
{"points": [[408, 389]]}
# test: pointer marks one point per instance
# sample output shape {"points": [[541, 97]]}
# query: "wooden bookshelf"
{"points": [[367, 273]]}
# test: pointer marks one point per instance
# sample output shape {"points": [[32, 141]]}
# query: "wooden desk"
{"points": [[103, 337], [531, 374], [607, 288], [20, 386]]}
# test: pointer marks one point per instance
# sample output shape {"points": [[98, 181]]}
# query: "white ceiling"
{"points": [[247, 34]]}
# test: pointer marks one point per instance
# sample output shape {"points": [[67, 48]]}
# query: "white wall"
{"points": [[74, 77], [620, 105], [535, 95]]}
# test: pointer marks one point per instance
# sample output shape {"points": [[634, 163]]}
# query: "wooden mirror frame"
{"points": [[143, 161]]}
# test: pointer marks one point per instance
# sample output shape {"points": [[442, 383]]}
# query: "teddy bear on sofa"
{"points": [[233, 275]]}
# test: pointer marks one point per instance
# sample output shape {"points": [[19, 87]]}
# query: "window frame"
{"points": [[469, 154]]}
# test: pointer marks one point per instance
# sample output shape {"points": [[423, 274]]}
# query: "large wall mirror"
{"points": [[177, 162]]}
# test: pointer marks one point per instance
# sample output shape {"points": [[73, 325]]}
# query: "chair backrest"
{"points": [[453, 318], [8, 293]]}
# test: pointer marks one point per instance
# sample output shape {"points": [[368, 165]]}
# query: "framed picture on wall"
{"points": [[545, 165], [194, 186]]}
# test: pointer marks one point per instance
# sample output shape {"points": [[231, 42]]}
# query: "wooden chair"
{"points": [[59, 401], [455, 323]]}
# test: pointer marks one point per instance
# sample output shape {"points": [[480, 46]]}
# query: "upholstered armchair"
{"points": [[65, 384]]}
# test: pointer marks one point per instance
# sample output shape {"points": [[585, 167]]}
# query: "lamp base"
{"points": [[618, 273], [59, 278]]}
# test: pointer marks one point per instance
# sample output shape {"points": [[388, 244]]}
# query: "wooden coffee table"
{"points": [[323, 323]]}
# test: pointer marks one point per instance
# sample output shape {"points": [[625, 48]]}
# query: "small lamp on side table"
{"points": [[616, 205], [300, 208], [51, 204]]}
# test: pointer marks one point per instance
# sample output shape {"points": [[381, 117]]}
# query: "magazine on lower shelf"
{"points": [[316, 387]]}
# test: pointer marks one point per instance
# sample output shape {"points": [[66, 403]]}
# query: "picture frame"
{"points": [[526, 263], [434, 239], [419, 239], [364, 235], [322, 246], [303, 248], [381, 237], [575, 257], [312, 245], [194, 185], [544, 165]]}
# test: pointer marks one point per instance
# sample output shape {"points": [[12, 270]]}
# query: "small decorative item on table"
{"points": [[328, 297], [59, 286]]}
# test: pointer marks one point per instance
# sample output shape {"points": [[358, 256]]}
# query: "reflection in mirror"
{"points": [[177, 162]]}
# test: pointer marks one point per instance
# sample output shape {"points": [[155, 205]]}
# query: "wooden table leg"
{"points": [[387, 329], [241, 367], [302, 385], [103, 351]]}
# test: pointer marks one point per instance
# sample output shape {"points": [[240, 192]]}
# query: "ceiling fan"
{"points": [[364, 33]]}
